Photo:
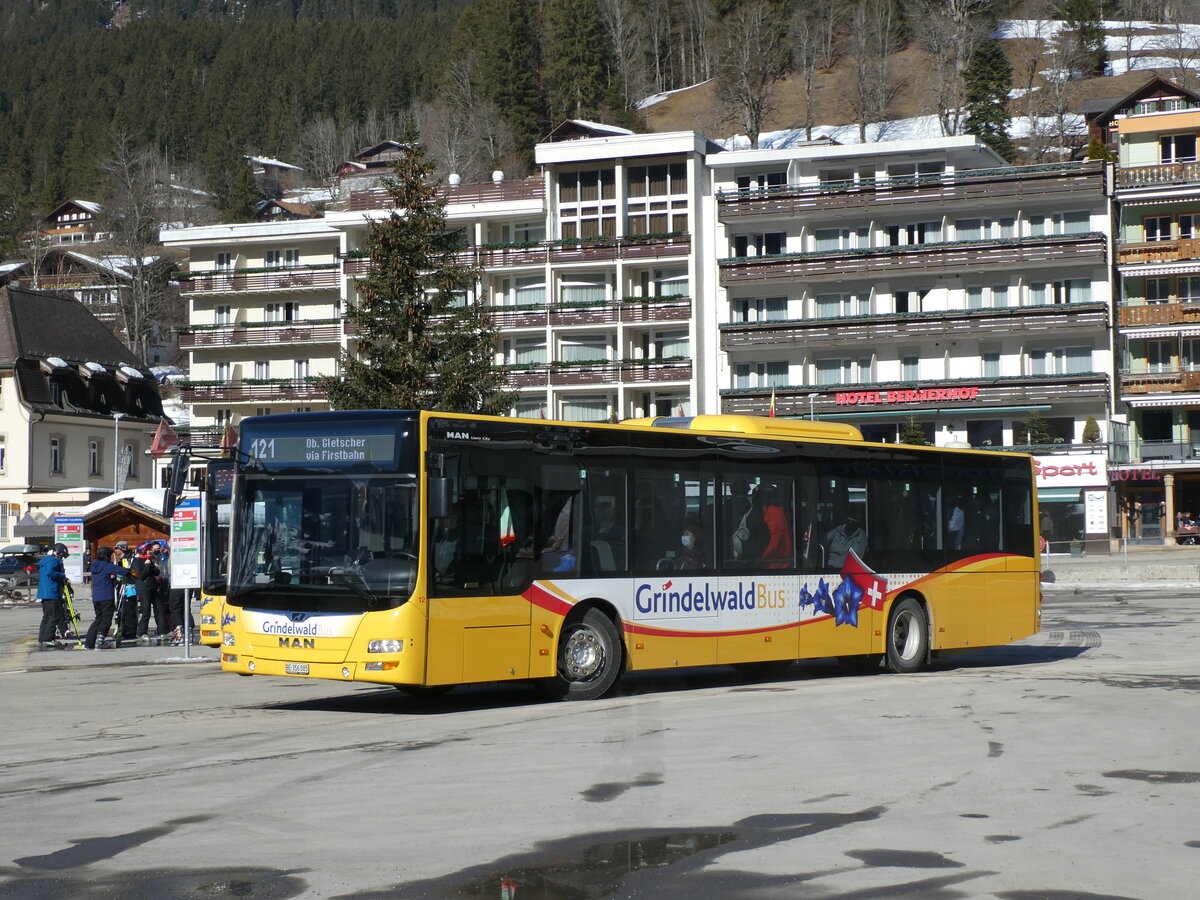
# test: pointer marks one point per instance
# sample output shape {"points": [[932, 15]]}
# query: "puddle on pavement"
{"points": [[1155, 777]]}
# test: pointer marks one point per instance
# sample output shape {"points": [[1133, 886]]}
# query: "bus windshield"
{"points": [[217, 490], [344, 543]]}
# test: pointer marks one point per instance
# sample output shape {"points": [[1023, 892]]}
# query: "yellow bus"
{"points": [[426, 550], [218, 486]]}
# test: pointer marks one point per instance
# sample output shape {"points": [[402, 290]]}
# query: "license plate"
{"points": [[295, 668]]}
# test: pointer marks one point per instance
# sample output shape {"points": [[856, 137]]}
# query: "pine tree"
{"points": [[422, 342], [1034, 431], [911, 432], [577, 59], [987, 81], [1085, 34]]}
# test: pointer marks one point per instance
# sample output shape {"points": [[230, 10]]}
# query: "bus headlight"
{"points": [[208, 620], [228, 639], [385, 646]]}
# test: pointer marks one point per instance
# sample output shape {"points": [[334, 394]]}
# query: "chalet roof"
{"points": [[87, 206], [1102, 110], [376, 149], [285, 209], [50, 339], [576, 129]]}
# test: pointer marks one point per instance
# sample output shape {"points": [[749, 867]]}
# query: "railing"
{"points": [[1154, 176], [255, 334], [792, 400], [1131, 315], [544, 375], [938, 323], [944, 255], [1158, 252], [631, 311], [1010, 181], [308, 278], [1163, 381], [528, 189], [234, 391]]}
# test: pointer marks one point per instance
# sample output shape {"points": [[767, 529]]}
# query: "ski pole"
{"points": [[72, 616]]}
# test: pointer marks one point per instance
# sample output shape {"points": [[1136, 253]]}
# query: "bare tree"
{"points": [[138, 182], [695, 54], [629, 49], [1131, 14], [948, 31], [322, 147], [752, 60], [873, 39], [814, 27], [1177, 44]]}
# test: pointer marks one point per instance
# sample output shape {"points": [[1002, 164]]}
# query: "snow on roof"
{"points": [[659, 98], [148, 498], [267, 161], [88, 205], [600, 126], [7, 267]]}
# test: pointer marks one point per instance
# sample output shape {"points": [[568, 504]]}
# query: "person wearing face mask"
{"points": [[691, 555]]}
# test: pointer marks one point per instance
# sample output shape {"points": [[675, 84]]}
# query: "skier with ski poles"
{"points": [[52, 577], [107, 578]]}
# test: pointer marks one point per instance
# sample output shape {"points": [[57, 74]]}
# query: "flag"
{"points": [[679, 412], [507, 534], [164, 439], [541, 412], [229, 438], [771, 414], [873, 587]]}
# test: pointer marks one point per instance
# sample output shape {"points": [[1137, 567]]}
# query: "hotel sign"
{"points": [[923, 395]]}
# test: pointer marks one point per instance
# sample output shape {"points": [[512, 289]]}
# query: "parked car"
{"points": [[18, 569]]}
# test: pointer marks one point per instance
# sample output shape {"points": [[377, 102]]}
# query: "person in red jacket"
{"points": [[778, 552]]}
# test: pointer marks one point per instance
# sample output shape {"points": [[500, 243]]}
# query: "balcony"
{"points": [[528, 189], [1179, 312], [205, 438], [238, 281], [792, 400], [979, 185], [630, 310], [1166, 381], [1165, 175], [625, 372], [246, 389], [257, 334], [1151, 252], [947, 256], [947, 324]]}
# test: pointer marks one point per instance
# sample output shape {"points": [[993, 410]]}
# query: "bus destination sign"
{"points": [[323, 449]]}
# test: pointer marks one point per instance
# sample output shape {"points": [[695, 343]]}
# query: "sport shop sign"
{"points": [[923, 395], [1070, 471]]}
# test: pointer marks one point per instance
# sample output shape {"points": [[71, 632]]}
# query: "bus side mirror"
{"points": [[438, 500]]}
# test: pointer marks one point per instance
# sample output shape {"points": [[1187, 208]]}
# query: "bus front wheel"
{"points": [[907, 637], [589, 658]]}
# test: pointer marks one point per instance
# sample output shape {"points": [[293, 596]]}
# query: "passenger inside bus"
{"points": [[843, 538], [691, 554]]}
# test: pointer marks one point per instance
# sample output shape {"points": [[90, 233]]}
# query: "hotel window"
{"points": [[264, 410], [262, 370], [760, 375], [759, 309], [666, 344], [770, 244], [968, 229], [916, 233], [843, 371], [1191, 354], [3, 452], [224, 262], [223, 371], [1187, 227], [1061, 361], [1189, 287], [761, 181], [1007, 228], [586, 408], [130, 454], [991, 364], [657, 202], [291, 258], [93, 457], [223, 417], [1158, 290], [525, 351], [528, 232], [900, 171], [1077, 222], [1157, 228], [909, 301], [975, 298], [836, 305], [56, 456], [273, 312], [291, 311], [274, 259], [1158, 356], [224, 315], [576, 287], [529, 409], [587, 204], [529, 290], [1177, 148], [585, 348], [670, 283], [1000, 296], [300, 369], [910, 367], [827, 239]]}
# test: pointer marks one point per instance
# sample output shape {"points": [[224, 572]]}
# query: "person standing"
{"points": [[126, 595], [162, 588], [52, 576], [143, 574], [107, 578]]}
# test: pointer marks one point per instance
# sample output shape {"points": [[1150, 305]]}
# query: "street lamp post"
{"points": [[811, 412], [116, 450]]}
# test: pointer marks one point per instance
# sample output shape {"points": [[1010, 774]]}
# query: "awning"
{"points": [[1176, 400], [28, 526], [1177, 331], [1059, 495]]}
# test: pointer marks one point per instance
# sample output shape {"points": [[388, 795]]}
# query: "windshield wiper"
{"points": [[357, 584]]}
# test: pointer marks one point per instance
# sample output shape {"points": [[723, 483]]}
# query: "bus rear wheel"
{"points": [[907, 637], [589, 658]]}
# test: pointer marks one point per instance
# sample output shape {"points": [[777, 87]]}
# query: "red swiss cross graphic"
{"points": [[873, 587]]}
